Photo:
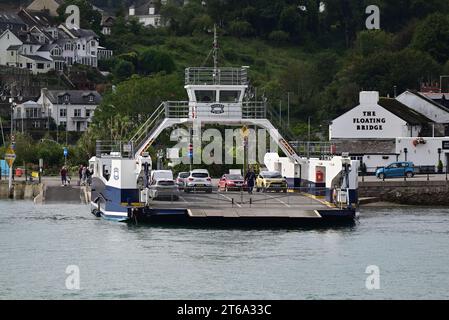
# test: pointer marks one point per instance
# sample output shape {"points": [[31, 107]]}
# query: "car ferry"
{"points": [[326, 188]]}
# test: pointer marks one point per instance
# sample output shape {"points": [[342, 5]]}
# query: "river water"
{"points": [[119, 261]]}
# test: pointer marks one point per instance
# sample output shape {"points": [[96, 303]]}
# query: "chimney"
{"points": [[369, 97], [132, 11]]}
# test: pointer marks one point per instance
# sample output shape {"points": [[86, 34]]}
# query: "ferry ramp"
{"points": [[63, 194]]}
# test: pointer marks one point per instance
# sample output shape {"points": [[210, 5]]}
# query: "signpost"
{"points": [[66, 153], [10, 157]]}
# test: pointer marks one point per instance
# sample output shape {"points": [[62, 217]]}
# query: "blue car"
{"points": [[396, 170]]}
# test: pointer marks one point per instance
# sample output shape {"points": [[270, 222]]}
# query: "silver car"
{"points": [[198, 180], [164, 189]]}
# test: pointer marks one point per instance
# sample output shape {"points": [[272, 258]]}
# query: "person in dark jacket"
{"points": [[63, 173], [250, 179]]}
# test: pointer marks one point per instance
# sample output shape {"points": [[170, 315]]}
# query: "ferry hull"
{"points": [[182, 217]]}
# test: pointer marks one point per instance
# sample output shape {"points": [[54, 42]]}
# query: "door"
{"points": [[78, 126]]}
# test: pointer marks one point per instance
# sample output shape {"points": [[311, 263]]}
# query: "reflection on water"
{"points": [[122, 261]]}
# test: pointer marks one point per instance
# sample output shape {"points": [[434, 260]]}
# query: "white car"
{"points": [[164, 189], [162, 185], [198, 180]]}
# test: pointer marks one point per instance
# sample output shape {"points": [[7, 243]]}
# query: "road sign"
{"points": [[10, 156], [190, 151], [244, 131]]}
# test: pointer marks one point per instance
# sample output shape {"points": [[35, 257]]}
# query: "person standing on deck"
{"points": [[63, 173], [80, 174], [250, 179]]}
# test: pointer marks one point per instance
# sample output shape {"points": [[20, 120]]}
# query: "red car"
{"points": [[232, 182]]}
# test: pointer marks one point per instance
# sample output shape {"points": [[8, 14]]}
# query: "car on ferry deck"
{"points": [[271, 181], [181, 179], [396, 170], [232, 182], [162, 186], [198, 180]]}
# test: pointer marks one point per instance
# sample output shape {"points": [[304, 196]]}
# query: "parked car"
{"points": [[198, 180], [161, 175], [164, 190], [396, 170], [271, 180], [232, 182], [181, 179]]}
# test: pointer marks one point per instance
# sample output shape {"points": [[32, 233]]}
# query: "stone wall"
{"points": [[22, 190], [426, 193]]}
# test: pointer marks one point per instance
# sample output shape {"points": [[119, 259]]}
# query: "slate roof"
{"points": [[36, 18], [436, 104], [35, 58], [76, 96], [402, 111], [11, 18], [14, 47], [143, 9]]}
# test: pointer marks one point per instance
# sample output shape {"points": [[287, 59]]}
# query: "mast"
{"points": [[215, 50]]}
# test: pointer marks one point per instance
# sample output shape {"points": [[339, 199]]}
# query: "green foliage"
{"points": [[153, 61], [89, 17], [372, 41], [123, 69], [138, 97], [240, 29], [432, 36], [279, 37]]}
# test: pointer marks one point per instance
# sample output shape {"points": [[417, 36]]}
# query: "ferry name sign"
{"points": [[10, 156]]}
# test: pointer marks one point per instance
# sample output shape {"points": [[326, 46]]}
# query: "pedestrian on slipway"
{"points": [[80, 174], [84, 176], [63, 174]]}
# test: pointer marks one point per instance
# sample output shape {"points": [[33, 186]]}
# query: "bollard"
{"points": [[250, 202], [233, 202]]}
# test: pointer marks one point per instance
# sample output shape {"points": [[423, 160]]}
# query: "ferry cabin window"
{"points": [[229, 96], [205, 96]]}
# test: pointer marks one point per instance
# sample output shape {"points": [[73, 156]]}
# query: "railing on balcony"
{"points": [[176, 109], [104, 54], [254, 110], [119, 149], [221, 76], [313, 149]]}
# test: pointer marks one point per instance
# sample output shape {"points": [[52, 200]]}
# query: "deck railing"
{"points": [[110, 148], [222, 76]]}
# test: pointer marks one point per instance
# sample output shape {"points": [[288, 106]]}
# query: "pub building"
{"points": [[380, 131]]}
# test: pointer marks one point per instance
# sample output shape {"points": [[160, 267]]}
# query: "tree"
{"points": [[123, 69], [89, 17], [240, 29], [432, 36], [372, 41], [154, 61]]}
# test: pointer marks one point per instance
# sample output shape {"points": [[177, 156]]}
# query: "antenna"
{"points": [[214, 52], [215, 48]]}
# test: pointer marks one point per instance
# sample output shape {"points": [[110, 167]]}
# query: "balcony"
{"points": [[220, 76]]}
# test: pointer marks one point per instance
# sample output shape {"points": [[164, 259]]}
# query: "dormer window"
{"points": [[91, 98]]}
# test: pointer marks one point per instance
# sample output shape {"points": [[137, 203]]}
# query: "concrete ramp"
{"points": [[60, 194]]}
